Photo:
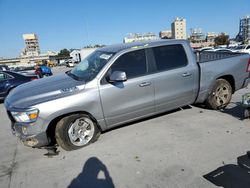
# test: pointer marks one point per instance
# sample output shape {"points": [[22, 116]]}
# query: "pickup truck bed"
{"points": [[229, 66]]}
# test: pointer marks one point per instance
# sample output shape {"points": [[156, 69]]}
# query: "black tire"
{"points": [[62, 129], [220, 95]]}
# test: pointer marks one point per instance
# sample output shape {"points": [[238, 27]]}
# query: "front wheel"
{"points": [[220, 96], [76, 131]]}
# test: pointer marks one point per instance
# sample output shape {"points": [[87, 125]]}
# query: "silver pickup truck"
{"points": [[119, 84]]}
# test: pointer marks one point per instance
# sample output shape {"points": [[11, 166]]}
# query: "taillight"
{"points": [[248, 66], [33, 79]]}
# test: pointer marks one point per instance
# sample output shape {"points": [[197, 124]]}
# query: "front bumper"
{"points": [[28, 133], [32, 140], [246, 82]]}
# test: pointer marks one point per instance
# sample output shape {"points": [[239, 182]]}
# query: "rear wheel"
{"points": [[76, 131], [220, 96]]}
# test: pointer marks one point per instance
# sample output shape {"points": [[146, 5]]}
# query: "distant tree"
{"points": [[99, 45], [221, 39], [64, 53], [94, 46], [88, 46]]}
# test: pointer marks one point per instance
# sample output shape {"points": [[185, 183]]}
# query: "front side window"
{"points": [[170, 57], [132, 63], [89, 67]]}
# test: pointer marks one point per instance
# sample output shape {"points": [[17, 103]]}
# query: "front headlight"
{"points": [[26, 116]]}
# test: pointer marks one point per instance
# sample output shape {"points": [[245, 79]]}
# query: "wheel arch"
{"points": [[52, 125], [230, 79]]}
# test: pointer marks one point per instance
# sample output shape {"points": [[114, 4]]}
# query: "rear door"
{"points": [[176, 79], [129, 100]]}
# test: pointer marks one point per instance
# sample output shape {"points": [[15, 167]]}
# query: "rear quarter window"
{"points": [[170, 57]]}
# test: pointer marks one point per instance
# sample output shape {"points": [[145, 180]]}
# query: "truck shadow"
{"points": [[231, 175], [236, 110], [89, 176]]}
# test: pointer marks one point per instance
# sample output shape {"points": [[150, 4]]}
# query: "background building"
{"points": [[31, 45], [178, 28], [244, 30], [197, 36], [31, 55], [211, 36], [198, 39], [140, 37], [167, 34]]}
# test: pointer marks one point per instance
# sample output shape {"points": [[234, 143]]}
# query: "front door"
{"points": [[126, 101]]}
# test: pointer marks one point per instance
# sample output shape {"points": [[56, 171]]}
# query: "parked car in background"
{"points": [[29, 71], [43, 70], [70, 63], [204, 49], [221, 50], [120, 84], [9, 80], [243, 48], [4, 68]]}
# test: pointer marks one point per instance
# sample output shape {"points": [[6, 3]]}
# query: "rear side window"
{"points": [[132, 63], [170, 57]]}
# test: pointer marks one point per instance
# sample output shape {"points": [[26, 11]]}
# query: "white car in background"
{"points": [[221, 50], [243, 48], [70, 63]]}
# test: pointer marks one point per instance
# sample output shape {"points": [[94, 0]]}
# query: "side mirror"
{"points": [[117, 76]]}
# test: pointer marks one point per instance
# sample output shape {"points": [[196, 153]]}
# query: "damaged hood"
{"points": [[42, 90]]}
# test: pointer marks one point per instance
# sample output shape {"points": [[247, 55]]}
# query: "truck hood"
{"points": [[42, 90]]}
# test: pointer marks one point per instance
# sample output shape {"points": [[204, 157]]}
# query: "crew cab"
{"points": [[119, 84]]}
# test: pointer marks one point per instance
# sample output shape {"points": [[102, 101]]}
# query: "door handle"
{"points": [[144, 84], [186, 74]]}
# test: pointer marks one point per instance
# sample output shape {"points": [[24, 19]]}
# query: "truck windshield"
{"points": [[89, 67]]}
